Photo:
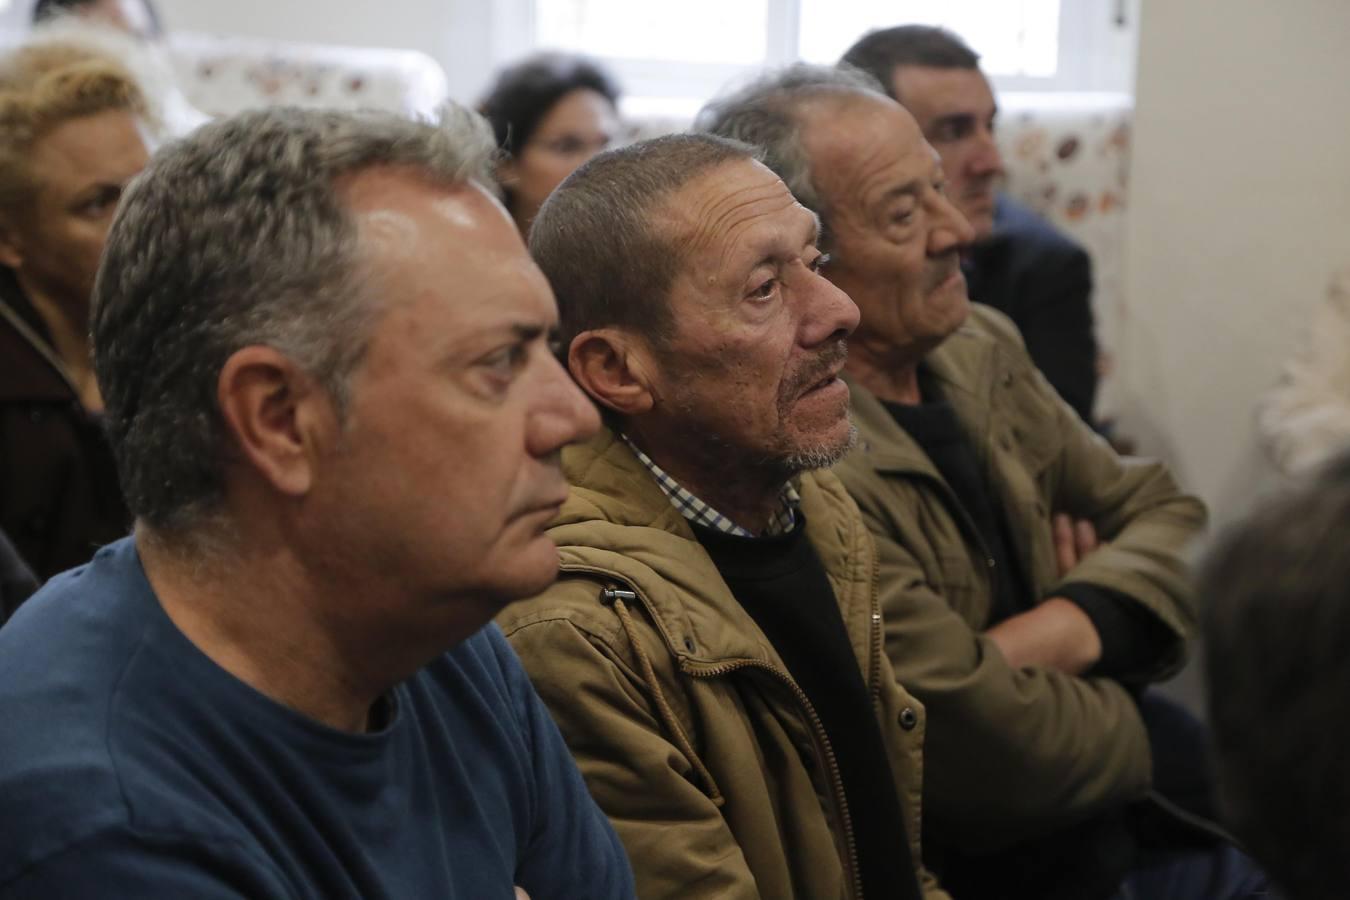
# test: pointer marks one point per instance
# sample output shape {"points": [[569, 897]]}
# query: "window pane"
{"points": [[694, 31], [1013, 37]]}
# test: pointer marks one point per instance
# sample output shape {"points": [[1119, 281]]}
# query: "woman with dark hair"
{"points": [[550, 113], [138, 18]]}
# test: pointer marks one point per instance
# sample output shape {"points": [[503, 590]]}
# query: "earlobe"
{"points": [[266, 400], [612, 369]]}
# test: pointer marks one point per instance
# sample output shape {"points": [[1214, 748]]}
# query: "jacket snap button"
{"points": [[908, 718], [1007, 379]]}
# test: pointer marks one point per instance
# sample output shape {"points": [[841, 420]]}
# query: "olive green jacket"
{"points": [[1015, 754], [691, 734]]}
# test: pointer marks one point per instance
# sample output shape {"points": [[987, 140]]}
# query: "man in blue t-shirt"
{"points": [[324, 355]]}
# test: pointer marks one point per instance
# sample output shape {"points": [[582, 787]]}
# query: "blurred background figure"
{"points": [[73, 132], [138, 18], [132, 31], [1305, 419], [550, 114], [1277, 594]]}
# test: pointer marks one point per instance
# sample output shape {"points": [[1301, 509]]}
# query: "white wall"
{"points": [[1239, 212], [459, 34]]}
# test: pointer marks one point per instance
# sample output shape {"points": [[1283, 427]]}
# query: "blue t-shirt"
{"points": [[131, 765]]}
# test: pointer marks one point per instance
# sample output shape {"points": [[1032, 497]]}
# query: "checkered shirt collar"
{"points": [[695, 510]]}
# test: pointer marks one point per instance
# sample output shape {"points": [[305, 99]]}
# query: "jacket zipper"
{"points": [[823, 741], [836, 781]]}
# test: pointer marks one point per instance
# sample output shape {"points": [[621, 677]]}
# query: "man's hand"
{"points": [[521, 895], [1074, 539], [1057, 634]]}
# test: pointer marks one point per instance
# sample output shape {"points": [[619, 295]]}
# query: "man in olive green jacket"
{"points": [[1029, 576], [713, 650]]}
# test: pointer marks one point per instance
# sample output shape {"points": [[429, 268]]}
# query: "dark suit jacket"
{"points": [[1043, 282]]}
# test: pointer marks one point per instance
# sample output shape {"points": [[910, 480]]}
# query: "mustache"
{"points": [[822, 366], [940, 270]]}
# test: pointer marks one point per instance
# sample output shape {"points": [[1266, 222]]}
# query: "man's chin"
{"points": [[823, 454], [980, 215], [533, 571]]}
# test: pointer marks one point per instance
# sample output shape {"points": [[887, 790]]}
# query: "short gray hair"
{"points": [[235, 236], [764, 114]]}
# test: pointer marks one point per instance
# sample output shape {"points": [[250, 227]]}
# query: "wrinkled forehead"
{"points": [[737, 210], [862, 145]]}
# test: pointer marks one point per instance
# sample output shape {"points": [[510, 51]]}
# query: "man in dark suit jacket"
{"points": [[1019, 263]]}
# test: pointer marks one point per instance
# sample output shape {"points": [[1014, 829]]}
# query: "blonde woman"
{"points": [[73, 132]]}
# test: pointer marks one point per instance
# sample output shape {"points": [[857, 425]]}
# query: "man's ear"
{"points": [[276, 414], [614, 368], [506, 171]]}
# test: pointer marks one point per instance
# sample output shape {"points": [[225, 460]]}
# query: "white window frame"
{"points": [[1095, 53]]}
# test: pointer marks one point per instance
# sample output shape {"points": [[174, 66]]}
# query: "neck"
{"points": [[891, 375], [68, 324], [745, 493], [258, 613]]}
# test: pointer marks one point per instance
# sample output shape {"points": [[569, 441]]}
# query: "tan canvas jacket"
{"points": [[691, 734], [1013, 754]]}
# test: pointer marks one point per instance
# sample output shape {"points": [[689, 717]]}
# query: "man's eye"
{"points": [[506, 360], [100, 204], [820, 262], [566, 146], [940, 186], [953, 131], [766, 290]]}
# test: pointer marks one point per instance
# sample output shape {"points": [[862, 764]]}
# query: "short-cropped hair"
{"points": [[44, 85], [1276, 595], [879, 53], [598, 241], [238, 235], [766, 114]]}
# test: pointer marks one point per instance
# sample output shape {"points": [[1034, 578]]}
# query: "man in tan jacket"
{"points": [[1030, 577], [713, 650]]}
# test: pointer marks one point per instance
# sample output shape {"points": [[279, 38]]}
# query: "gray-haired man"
{"points": [[1024, 640], [324, 353], [713, 651]]}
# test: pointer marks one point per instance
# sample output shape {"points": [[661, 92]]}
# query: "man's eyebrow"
{"points": [[909, 188], [961, 118], [528, 331], [771, 256], [94, 189]]}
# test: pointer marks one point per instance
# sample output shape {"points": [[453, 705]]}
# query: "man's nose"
{"points": [[986, 158], [951, 231], [563, 416], [830, 313]]}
